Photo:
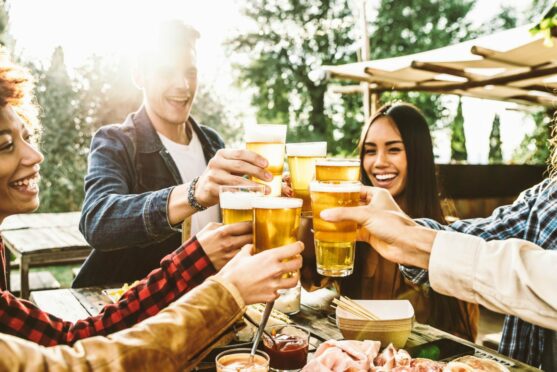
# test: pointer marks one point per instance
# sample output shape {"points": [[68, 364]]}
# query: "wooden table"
{"points": [[41, 239], [74, 304]]}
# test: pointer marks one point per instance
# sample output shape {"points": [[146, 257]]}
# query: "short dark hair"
{"points": [[421, 192]]}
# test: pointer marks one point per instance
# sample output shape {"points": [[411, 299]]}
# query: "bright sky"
{"points": [[84, 27]]}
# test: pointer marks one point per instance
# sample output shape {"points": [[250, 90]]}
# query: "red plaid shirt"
{"points": [[179, 272]]}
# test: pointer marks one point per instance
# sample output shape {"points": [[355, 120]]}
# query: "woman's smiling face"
{"points": [[384, 158], [19, 166]]}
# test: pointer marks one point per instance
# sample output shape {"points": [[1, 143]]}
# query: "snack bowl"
{"points": [[396, 318]]}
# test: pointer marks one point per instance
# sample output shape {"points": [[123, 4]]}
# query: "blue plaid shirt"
{"points": [[532, 217]]}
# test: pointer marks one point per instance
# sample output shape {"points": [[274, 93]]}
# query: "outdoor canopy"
{"points": [[510, 66]]}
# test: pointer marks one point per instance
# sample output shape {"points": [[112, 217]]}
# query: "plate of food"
{"points": [[368, 356]]}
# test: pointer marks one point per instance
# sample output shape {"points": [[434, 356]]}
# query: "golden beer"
{"points": [[268, 141], [334, 241], [301, 162], [275, 222], [236, 202], [337, 170]]}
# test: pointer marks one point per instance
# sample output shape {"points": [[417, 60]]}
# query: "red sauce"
{"points": [[288, 352]]}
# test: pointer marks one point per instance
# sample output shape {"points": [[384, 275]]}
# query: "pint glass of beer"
{"points": [[275, 221], [268, 141], [334, 241], [236, 201], [301, 162], [337, 170]]}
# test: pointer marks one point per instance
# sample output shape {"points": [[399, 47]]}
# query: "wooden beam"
{"points": [[432, 67], [347, 89], [489, 54], [503, 80]]}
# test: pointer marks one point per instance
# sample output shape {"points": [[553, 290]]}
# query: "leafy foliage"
{"points": [[65, 138], [547, 26], [458, 138], [293, 38], [495, 152], [4, 20], [534, 148]]}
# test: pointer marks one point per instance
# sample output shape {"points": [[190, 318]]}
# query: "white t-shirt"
{"points": [[191, 163]]}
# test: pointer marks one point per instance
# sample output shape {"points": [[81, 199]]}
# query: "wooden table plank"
{"points": [[44, 239], [39, 220], [61, 303], [316, 321]]}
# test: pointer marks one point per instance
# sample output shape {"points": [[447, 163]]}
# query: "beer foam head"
{"points": [[306, 149], [266, 133], [319, 186], [237, 200], [338, 163], [275, 202]]}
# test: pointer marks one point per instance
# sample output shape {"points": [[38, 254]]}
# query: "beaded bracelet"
{"points": [[191, 196]]}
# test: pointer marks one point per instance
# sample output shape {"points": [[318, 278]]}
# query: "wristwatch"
{"points": [[191, 196]]}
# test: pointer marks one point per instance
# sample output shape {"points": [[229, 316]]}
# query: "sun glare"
{"points": [[103, 27]]}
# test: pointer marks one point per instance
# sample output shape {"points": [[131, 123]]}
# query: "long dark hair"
{"points": [[421, 193]]}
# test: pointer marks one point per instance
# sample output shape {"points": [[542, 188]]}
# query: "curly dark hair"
{"points": [[16, 90]]}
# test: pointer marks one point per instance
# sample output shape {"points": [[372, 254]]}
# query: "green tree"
{"points": [[534, 148], [458, 138], [65, 138], [292, 39], [495, 153], [4, 22]]}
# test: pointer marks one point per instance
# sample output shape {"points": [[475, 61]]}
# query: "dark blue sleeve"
{"points": [[111, 217]]}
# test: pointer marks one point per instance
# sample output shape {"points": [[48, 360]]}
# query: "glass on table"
{"points": [[301, 163], [288, 349], [337, 170], [268, 141], [236, 202], [335, 242], [238, 360]]}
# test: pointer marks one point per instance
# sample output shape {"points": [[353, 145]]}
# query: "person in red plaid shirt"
{"points": [[179, 271]]}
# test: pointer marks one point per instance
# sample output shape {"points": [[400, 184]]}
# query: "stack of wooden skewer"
{"points": [[353, 307]]}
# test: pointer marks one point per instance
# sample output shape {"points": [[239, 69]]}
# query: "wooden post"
{"points": [[367, 101]]}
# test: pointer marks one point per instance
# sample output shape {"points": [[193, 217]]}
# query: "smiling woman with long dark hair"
{"points": [[396, 154]]}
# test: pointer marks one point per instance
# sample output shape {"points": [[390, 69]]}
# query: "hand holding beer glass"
{"points": [[334, 241], [268, 141], [301, 162]]}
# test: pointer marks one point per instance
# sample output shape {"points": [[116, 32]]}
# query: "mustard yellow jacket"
{"points": [[176, 339]]}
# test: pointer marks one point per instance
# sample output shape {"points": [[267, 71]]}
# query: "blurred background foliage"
{"points": [[290, 40]]}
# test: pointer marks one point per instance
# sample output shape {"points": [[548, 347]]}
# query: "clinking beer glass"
{"points": [[236, 202], [334, 241], [337, 170], [268, 141], [301, 163], [275, 222]]}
